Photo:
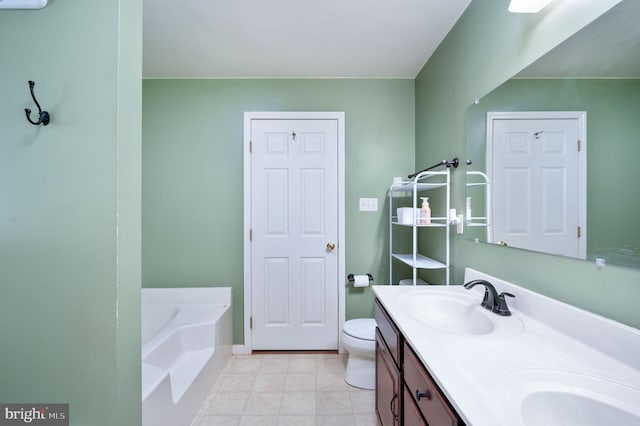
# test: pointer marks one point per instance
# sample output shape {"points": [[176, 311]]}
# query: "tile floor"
{"points": [[286, 389]]}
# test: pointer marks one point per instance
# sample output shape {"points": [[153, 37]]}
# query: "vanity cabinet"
{"points": [[405, 392], [388, 385], [388, 376], [410, 412], [425, 393]]}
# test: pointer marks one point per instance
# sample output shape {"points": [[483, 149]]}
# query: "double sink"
{"points": [[485, 346]]}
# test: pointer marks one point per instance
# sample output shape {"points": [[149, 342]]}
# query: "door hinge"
{"points": [[579, 232], [250, 234], [250, 147], [579, 145], [250, 323]]}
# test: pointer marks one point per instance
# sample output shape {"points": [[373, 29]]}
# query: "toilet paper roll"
{"points": [[361, 281]]}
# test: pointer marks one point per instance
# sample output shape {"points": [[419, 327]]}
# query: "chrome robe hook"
{"points": [[43, 116]]}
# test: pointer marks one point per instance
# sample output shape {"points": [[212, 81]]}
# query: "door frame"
{"points": [[247, 188], [581, 116]]}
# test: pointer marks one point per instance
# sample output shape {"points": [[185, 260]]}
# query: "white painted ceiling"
{"points": [[293, 38]]}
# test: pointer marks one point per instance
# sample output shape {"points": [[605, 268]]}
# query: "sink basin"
{"points": [[553, 408], [457, 313], [554, 398]]}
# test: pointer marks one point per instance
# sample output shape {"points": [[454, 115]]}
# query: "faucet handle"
{"points": [[485, 300], [502, 308]]}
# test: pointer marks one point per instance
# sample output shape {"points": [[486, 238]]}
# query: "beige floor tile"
{"points": [[269, 383], [218, 421], [244, 365], [331, 382], [218, 382], [202, 411], [365, 420], [286, 389], [333, 403], [298, 403], [363, 402], [300, 382], [259, 421], [274, 365], [297, 421], [263, 404], [236, 382], [334, 364], [335, 420], [227, 403], [302, 365]]}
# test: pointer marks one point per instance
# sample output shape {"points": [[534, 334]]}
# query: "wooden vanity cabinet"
{"points": [[388, 376], [388, 386], [425, 393], [411, 414], [405, 392]]}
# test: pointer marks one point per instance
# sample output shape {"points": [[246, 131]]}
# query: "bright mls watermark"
{"points": [[34, 414]]}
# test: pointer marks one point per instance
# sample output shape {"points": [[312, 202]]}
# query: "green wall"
{"points": [[193, 169], [612, 150], [70, 209], [485, 48]]}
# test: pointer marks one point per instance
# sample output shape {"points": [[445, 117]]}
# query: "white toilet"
{"points": [[359, 339]]}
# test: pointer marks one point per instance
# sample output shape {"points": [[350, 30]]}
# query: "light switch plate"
{"points": [[368, 204]]}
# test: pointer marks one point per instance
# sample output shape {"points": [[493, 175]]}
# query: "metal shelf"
{"points": [[421, 262], [431, 225], [424, 181], [409, 186]]}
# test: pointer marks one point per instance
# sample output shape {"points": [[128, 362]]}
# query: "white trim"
{"points": [[581, 116], [280, 115]]}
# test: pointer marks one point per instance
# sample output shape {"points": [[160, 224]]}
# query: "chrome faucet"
{"points": [[492, 301]]}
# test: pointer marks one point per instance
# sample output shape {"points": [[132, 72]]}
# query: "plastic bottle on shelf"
{"points": [[425, 212]]}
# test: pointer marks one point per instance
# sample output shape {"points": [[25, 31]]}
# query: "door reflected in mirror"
{"points": [[516, 200]]}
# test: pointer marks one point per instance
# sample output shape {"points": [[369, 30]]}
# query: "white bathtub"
{"points": [[186, 342]]}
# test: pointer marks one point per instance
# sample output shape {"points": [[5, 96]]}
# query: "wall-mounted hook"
{"points": [[43, 116]]}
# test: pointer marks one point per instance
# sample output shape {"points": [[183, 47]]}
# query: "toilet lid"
{"points": [[361, 328]]}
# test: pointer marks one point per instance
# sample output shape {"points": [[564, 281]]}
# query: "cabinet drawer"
{"points": [[389, 332], [432, 403]]}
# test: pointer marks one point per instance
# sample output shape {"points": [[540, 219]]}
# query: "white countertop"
{"points": [[486, 377]]}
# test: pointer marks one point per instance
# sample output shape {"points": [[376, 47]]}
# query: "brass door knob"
{"points": [[331, 246]]}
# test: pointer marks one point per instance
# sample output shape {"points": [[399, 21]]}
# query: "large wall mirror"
{"points": [[555, 151]]}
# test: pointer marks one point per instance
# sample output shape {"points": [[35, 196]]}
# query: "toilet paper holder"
{"points": [[351, 278]]}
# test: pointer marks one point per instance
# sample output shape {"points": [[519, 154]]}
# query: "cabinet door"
{"points": [[388, 390], [410, 413]]}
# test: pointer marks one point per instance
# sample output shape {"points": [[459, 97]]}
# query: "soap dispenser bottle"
{"points": [[425, 212]]}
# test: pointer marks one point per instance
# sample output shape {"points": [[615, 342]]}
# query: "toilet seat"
{"points": [[361, 328]]}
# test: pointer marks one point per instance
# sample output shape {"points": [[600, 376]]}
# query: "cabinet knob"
{"points": [[426, 395]]}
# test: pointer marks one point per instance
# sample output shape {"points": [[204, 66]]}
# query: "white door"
{"points": [[294, 227], [537, 174]]}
